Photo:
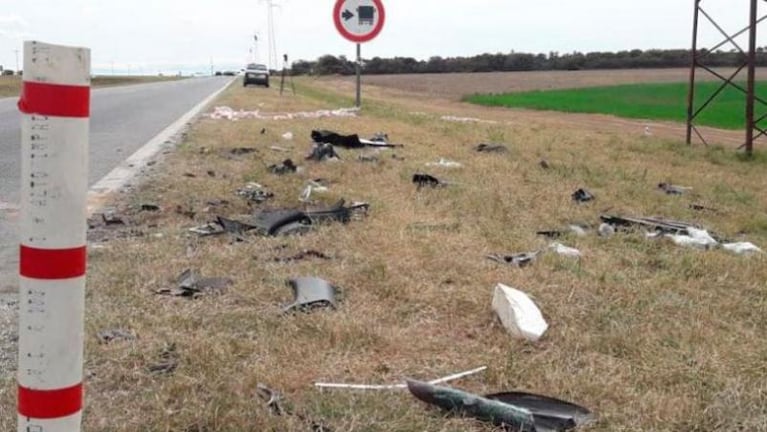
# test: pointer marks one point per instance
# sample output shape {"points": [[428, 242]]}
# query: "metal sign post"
{"points": [[359, 21], [55, 107]]}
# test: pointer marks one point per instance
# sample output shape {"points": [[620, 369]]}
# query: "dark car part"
{"points": [[311, 293], [550, 414]]}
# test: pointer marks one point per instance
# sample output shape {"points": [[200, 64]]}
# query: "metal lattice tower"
{"points": [[753, 131]]}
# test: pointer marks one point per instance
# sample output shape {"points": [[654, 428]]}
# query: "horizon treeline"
{"points": [[517, 62]]}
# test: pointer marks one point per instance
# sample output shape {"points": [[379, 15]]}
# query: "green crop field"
{"points": [[639, 101]]}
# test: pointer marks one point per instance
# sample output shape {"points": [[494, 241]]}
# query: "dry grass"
{"points": [[11, 85], [650, 336], [456, 85]]}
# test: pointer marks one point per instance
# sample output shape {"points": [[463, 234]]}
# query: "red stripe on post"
{"points": [[50, 404], [52, 263], [55, 100]]}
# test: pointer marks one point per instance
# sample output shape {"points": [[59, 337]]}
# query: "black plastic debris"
{"points": [[551, 234], [211, 173], [424, 180], [491, 148], [380, 137], [700, 207], [190, 175], [114, 335], [282, 222], [517, 260], [263, 131], [322, 152], [305, 254], [239, 151], [147, 207], [287, 166], [673, 189], [582, 196], [167, 361], [190, 284], [338, 140], [549, 414], [544, 164], [236, 228], [311, 293]]}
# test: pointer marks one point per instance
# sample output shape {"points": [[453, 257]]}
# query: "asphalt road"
{"points": [[122, 120]]}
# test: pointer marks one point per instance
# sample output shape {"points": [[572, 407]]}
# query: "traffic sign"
{"points": [[359, 20]]}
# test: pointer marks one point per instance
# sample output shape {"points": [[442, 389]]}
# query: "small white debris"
{"points": [[466, 120], [287, 136], [227, 113], [742, 248], [606, 230], [518, 313], [695, 238], [444, 163], [310, 188], [563, 250], [279, 149], [578, 230]]}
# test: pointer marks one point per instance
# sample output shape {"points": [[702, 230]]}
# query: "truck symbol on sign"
{"points": [[366, 14]]}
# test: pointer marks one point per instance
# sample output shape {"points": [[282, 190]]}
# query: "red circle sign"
{"points": [[359, 20]]}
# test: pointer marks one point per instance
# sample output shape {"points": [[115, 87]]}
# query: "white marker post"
{"points": [[55, 103]]}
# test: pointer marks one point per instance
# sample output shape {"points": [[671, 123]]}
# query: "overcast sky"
{"points": [[153, 35]]}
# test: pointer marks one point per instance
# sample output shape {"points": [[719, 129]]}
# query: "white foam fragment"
{"points": [[227, 113], [563, 250], [742, 248], [444, 163], [518, 313]]}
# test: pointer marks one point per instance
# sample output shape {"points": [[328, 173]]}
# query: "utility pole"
{"points": [[272, 43]]}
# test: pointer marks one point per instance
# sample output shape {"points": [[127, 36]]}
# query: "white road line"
{"points": [[130, 167]]}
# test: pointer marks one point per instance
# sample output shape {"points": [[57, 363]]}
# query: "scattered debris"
{"points": [[464, 403], [114, 335], [227, 113], [582, 196], [424, 180], [254, 193], [240, 151], [444, 163], [305, 254], [287, 136], [491, 148], [190, 175], [700, 207], [397, 386], [466, 120], [742, 248], [518, 314], [273, 401], [189, 284], [577, 229], [380, 137], [279, 149], [606, 230], [287, 166], [353, 141], [311, 187], [187, 211], [550, 414], [110, 218], [167, 362], [150, 207], [664, 226], [544, 164], [368, 158], [263, 131], [322, 152], [517, 260], [311, 293], [211, 173], [563, 250], [673, 189], [208, 229], [695, 238]]}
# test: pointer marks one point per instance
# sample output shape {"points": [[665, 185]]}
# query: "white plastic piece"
{"points": [[578, 230], [401, 386], [445, 163], [287, 136], [742, 248], [563, 250], [227, 113], [695, 238], [518, 313], [606, 230]]}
